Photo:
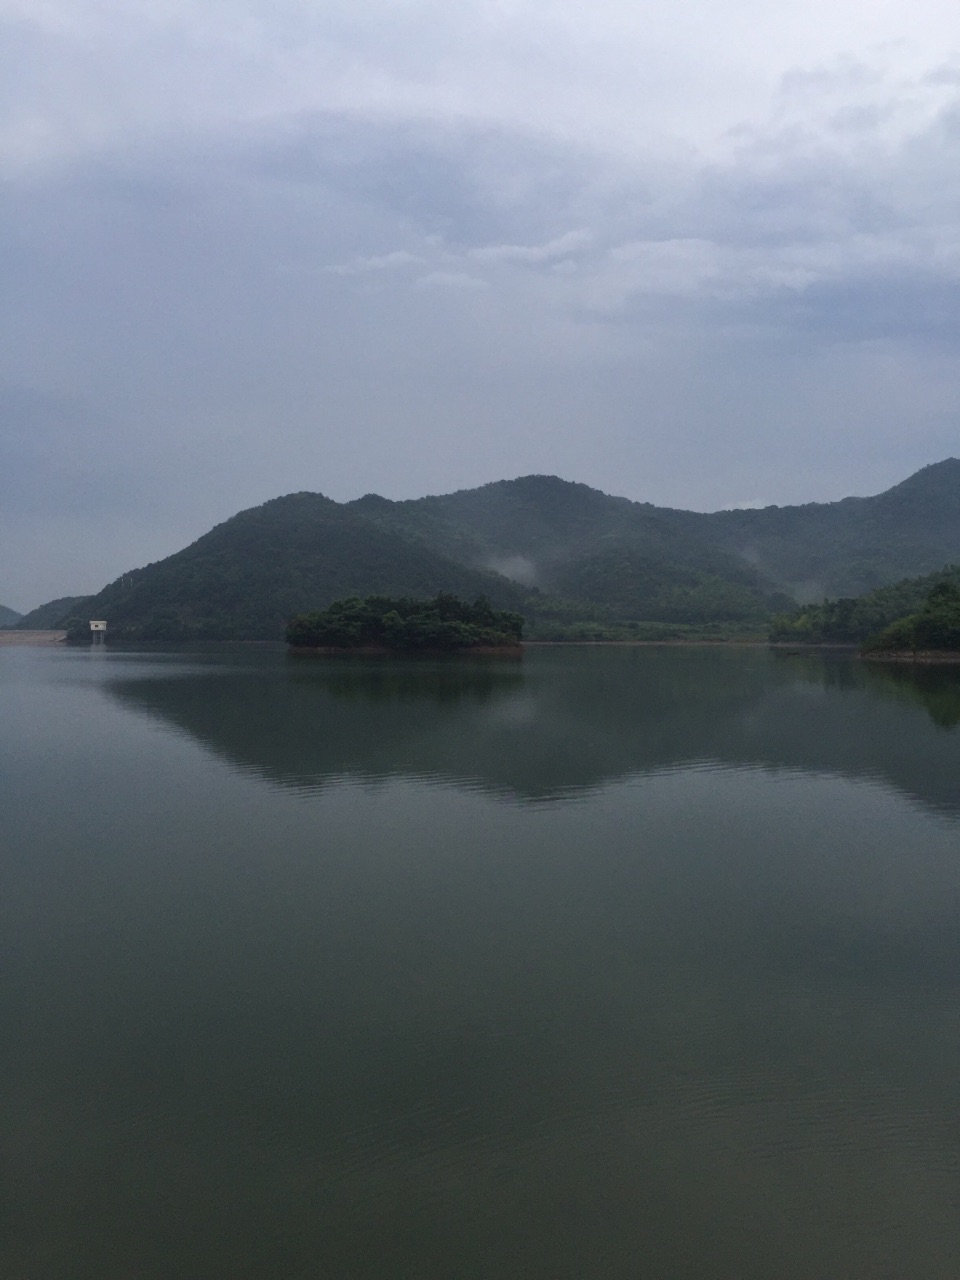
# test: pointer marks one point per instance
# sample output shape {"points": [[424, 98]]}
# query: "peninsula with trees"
{"points": [[857, 620], [929, 635]]}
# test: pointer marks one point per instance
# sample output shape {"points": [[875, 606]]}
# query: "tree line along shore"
{"points": [[445, 624]]}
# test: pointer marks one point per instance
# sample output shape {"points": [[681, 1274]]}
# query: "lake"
{"points": [[613, 962]]}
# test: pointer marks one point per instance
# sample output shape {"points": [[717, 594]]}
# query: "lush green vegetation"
{"points": [[8, 617], [854, 620], [806, 552], [245, 578], [53, 615], [623, 562], [444, 623], [576, 563], [553, 618], [847, 548], [936, 626]]}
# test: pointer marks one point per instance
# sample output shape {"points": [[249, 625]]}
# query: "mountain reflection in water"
{"points": [[603, 964], [565, 721]]}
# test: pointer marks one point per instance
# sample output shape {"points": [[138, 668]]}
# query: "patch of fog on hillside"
{"points": [[518, 568], [807, 592]]}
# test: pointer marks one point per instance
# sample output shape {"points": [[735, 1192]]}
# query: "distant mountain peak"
{"points": [[939, 480], [947, 468], [371, 502]]}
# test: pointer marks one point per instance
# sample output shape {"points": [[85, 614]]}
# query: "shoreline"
{"points": [[32, 637], [914, 657], [789, 646], [381, 651]]}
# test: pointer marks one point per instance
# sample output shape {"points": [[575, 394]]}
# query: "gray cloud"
{"points": [[560, 249], [412, 251], [392, 261]]}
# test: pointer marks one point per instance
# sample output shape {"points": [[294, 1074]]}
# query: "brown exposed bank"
{"points": [[32, 637]]}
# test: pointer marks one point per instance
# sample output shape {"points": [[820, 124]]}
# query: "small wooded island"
{"points": [[379, 624]]}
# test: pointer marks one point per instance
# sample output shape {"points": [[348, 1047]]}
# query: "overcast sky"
{"points": [[694, 253]]}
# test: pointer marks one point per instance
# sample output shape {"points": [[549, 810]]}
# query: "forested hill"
{"points": [[49, 616], [248, 576], [576, 541], [8, 617], [558, 552], [849, 547]]}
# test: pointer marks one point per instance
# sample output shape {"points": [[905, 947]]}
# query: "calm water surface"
{"points": [[609, 963]]}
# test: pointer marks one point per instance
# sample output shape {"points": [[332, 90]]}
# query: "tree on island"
{"points": [[444, 623]]}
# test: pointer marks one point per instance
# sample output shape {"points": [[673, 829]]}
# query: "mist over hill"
{"points": [[829, 549], [8, 617], [562, 536], [565, 555]]}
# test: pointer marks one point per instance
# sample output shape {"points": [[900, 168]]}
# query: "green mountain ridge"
{"points": [[49, 616], [248, 576], [849, 547], [576, 543], [8, 617], [566, 556]]}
